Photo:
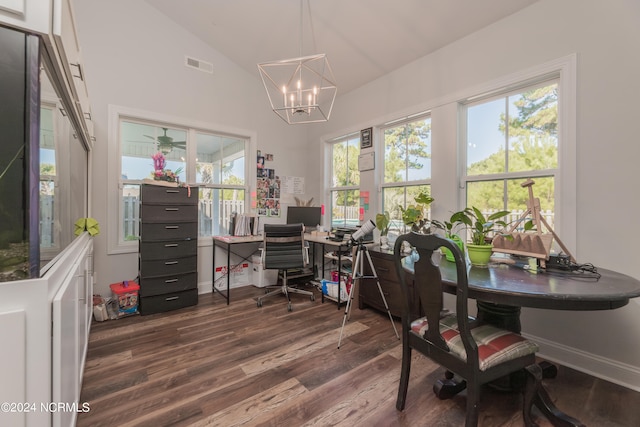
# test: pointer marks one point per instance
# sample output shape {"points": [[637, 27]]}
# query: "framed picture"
{"points": [[366, 138]]}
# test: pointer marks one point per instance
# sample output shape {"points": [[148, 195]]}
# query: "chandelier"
{"points": [[300, 90]]}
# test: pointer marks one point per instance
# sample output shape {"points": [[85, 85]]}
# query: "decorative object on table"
{"points": [[415, 216], [482, 230], [383, 222], [532, 242], [160, 173], [88, 224], [300, 90]]}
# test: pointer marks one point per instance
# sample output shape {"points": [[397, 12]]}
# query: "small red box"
{"points": [[127, 294]]}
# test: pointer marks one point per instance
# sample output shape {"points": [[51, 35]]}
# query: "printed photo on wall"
{"points": [[260, 164]]}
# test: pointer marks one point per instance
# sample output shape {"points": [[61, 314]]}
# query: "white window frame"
{"points": [[424, 115], [116, 114], [330, 187], [565, 204]]}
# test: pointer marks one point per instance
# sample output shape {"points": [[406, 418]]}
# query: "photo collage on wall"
{"points": [[268, 187]]}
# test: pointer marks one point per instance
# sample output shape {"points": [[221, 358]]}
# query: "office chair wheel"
{"points": [[289, 307], [259, 303]]}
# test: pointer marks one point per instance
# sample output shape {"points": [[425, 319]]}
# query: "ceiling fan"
{"points": [[166, 143]]}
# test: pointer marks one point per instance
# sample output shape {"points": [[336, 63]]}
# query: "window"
{"points": [[509, 139], [345, 184], [407, 167], [220, 175], [216, 163]]}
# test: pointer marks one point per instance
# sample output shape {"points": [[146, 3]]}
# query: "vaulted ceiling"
{"points": [[363, 39]]}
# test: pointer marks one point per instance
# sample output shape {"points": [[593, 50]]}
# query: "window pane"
{"points": [[487, 196], [220, 160], [485, 138], [130, 212], [345, 163], [139, 142], [394, 197], [533, 126], [216, 207], [408, 152], [345, 206]]}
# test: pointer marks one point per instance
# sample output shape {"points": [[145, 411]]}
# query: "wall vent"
{"points": [[198, 64]]}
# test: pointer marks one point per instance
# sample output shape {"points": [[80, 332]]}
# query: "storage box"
{"points": [[262, 277], [127, 295], [330, 289]]}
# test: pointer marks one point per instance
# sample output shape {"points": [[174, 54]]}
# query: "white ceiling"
{"points": [[363, 39]]}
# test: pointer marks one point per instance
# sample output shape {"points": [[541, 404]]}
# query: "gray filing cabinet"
{"points": [[168, 255]]}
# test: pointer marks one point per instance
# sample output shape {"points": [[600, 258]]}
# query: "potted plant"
{"points": [[414, 216], [383, 222], [450, 228], [482, 229]]}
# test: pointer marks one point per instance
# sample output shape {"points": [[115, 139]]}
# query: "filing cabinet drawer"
{"points": [[168, 284], [168, 249], [168, 213], [385, 268], [370, 295], [155, 232], [168, 266], [158, 195], [166, 302]]}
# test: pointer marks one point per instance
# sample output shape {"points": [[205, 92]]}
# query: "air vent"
{"points": [[198, 64]]}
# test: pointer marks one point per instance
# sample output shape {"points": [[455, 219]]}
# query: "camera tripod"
{"points": [[357, 269]]}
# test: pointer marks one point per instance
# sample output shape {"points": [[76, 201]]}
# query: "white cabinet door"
{"points": [[30, 15]]}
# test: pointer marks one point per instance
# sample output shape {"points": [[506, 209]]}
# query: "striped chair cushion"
{"points": [[495, 345]]}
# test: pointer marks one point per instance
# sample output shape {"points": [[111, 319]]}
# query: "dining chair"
{"points": [[478, 353], [284, 249]]}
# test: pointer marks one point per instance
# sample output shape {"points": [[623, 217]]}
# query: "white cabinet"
{"points": [[44, 324], [65, 38], [30, 15]]}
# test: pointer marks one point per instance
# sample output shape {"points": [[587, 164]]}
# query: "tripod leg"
{"points": [[384, 300], [354, 268]]}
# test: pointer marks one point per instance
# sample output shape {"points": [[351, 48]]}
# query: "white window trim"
{"points": [[115, 114], [565, 195]]}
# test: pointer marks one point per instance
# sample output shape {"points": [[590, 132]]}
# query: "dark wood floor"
{"points": [[219, 364]]}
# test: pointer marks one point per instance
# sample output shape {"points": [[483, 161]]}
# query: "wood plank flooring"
{"points": [[238, 365]]}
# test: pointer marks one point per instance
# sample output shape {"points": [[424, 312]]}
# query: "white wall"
{"points": [[604, 36], [134, 57]]}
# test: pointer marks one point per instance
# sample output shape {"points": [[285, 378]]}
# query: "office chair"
{"points": [[284, 249], [479, 353]]}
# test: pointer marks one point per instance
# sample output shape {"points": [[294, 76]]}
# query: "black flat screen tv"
{"points": [[310, 216]]}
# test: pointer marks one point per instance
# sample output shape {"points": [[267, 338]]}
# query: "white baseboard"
{"points": [[601, 367]]}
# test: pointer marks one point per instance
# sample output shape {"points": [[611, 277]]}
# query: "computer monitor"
{"points": [[310, 216]]}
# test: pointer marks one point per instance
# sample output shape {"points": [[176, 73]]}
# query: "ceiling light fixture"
{"points": [[300, 90]]}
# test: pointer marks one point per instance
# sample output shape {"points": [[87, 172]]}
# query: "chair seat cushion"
{"points": [[495, 345]]}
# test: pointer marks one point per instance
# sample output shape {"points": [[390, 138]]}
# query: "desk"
{"points": [[501, 290], [227, 243]]}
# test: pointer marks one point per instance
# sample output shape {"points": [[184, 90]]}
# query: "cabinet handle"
{"points": [[383, 269], [170, 262], [171, 298], [171, 281], [173, 191], [79, 68], [171, 227], [171, 209], [171, 245]]}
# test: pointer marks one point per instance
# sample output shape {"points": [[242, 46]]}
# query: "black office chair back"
{"points": [[284, 246]]}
